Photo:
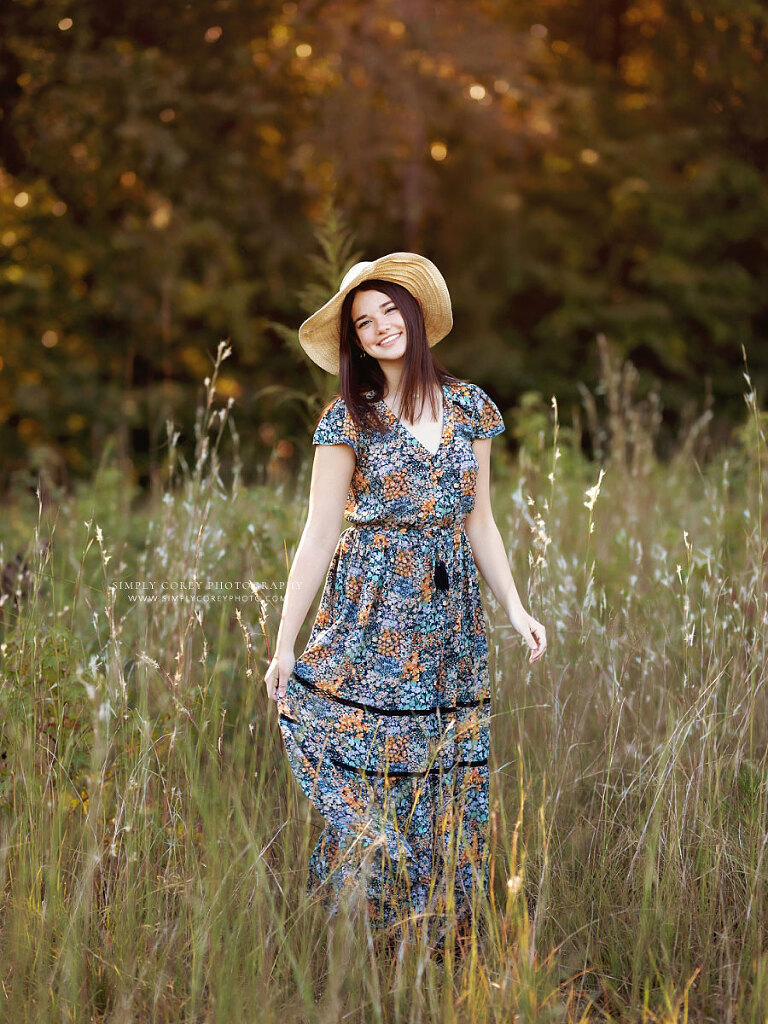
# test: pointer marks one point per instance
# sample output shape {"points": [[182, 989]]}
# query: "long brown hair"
{"points": [[359, 372]]}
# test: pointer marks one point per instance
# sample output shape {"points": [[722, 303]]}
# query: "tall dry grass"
{"points": [[153, 846]]}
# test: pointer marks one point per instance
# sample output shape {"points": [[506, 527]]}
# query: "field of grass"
{"points": [[153, 844]]}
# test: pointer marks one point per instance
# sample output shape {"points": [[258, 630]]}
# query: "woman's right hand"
{"points": [[278, 673]]}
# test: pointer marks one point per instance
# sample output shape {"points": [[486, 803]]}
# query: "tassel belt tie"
{"points": [[434, 529], [441, 575]]}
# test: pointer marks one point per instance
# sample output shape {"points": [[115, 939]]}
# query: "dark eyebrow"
{"points": [[362, 315]]}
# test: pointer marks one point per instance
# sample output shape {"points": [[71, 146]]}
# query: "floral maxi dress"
{"points": [[386, 715]]}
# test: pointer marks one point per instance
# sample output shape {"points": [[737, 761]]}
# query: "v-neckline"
{"points": [[412, 436]]}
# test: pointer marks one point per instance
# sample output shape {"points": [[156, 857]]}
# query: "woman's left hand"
{"points": [[532, 632]]}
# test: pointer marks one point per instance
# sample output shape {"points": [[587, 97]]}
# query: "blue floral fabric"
{"points": [[386, 716]]}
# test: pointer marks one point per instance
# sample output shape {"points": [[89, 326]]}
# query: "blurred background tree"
{"points": [[167, 171]]}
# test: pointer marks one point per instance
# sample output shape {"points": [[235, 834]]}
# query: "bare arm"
{"points": [[332, 471], [491, 556]]}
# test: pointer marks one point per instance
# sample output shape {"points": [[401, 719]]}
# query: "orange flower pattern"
{"points": [[386, 716]]}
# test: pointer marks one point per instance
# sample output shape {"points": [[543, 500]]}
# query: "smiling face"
{"points": [[379, 325]]}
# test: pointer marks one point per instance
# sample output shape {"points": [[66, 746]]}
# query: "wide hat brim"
{"points": [[320, 334]]}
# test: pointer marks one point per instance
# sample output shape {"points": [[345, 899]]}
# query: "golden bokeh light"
{"points": [[542, 125], [589, 156], [28, 429], [213, 33], [438, 151], [21, 199], [270, 134], [50, 339], [303, 50], [280, 34], [477, 91], [229, 387], [76, 422], [65, 24], [635, 69], [161, 217]]}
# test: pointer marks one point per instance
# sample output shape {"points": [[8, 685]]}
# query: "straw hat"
{"points": [[320, 334]]}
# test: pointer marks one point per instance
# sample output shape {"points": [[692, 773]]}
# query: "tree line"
{"points": [[171, 174]]}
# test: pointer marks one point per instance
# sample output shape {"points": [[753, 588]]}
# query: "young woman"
{"points": [[385, 715]]}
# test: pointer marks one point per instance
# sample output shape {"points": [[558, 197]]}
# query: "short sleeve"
{"points": [[487, 420], [335, 426]]}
